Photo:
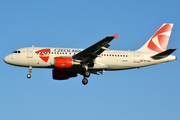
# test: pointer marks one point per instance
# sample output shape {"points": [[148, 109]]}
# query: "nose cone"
{"points": [[7, 59]]}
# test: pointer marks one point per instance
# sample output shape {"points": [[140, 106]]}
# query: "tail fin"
{"points": [[159, 41]]}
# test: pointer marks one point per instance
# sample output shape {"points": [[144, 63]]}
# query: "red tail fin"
{"points": [[159, 41]]}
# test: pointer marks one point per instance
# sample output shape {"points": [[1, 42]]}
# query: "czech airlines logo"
{"points": [[159, 41], [44, 54]]}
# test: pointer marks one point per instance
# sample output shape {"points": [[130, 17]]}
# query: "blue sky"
{"points": [[146, 93]]}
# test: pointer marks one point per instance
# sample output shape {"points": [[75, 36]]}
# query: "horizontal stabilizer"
{"points": [[163, 54]]}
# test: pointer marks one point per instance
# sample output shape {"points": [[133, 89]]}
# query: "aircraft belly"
{"points": [[99, 66]]}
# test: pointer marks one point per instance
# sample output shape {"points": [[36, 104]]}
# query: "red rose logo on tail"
{"points": [[160, 39], [44, 54]]}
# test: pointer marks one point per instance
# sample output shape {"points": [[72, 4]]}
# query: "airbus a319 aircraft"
{"points": [[68, 62]]}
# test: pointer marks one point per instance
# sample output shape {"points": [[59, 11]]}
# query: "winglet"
{"points": [[115, 36]]}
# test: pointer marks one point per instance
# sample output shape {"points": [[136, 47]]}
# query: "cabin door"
{"points": [[30, 52]]}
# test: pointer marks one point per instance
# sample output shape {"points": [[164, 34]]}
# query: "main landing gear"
{"points": [[85, 80], [30, 70]]}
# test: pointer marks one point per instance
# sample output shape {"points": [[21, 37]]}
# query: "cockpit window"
{"points": [[17, 51]]}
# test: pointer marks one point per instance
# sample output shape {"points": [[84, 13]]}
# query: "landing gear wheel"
{"points": [[28, 75], [84, 81], [87, 74], [30, 70]]}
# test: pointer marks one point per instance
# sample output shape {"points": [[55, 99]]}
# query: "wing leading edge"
{"points": [[89, 54]]}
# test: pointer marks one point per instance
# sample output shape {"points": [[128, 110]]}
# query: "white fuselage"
{"points": [[109, 60], [68, 62]]}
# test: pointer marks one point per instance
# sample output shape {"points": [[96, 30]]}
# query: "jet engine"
{"points": [[63, 62], [62, 75]]}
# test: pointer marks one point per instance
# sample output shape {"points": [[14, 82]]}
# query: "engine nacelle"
{"points": [[63, 62], [62, 75]]}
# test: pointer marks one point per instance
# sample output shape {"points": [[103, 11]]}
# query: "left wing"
{"points": [[88, 55]]}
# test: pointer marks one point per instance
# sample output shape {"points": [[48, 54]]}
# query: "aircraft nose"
{"points": [[7, 59]]}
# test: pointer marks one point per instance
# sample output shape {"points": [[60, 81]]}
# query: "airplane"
{"points": [[68, 62]]}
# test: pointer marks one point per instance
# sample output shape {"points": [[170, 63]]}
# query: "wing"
{"points": [[88, 55]]}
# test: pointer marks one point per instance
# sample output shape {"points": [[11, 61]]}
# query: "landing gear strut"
{"points": [[30, 70]]}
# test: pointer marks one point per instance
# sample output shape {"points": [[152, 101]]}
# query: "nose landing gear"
{"points": [[28, 75], [30, 70]]}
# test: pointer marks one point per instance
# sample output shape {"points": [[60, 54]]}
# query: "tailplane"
{"points": [[163, 54], [159, 41]]}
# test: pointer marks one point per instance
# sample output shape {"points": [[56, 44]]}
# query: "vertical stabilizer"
{"points": [[159, 41]]}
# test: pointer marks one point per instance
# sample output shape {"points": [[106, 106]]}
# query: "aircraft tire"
{"points": [[84, 81], [87, 74], [28, 75]]}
